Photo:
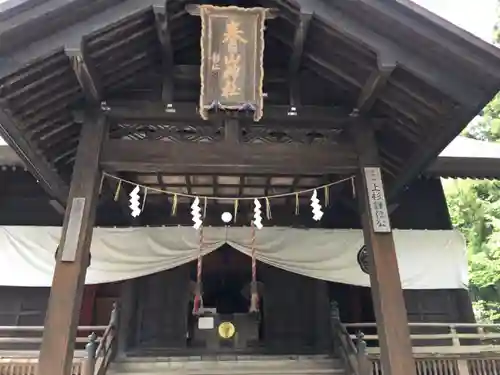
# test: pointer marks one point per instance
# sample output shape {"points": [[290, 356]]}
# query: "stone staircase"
{"points": [[228, 365]]}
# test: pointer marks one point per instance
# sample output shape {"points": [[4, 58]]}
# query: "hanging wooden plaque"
{"points": [[376, 200], [232, 52]]}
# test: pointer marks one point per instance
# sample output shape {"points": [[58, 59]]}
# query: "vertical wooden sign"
{"points": [[232, 53], [376, 200]]}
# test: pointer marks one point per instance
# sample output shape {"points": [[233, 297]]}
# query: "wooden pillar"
{"points": [[387, 293], [73, 255]]}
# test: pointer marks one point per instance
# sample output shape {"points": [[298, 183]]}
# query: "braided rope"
{"points": [[198, 300], [254, 298]]}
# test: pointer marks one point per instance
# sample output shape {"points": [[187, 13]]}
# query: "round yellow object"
{"points": [[227, 330]]}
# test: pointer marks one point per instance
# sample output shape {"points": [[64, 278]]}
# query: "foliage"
{"points": [[486, 127], [475, 210], [474, 207]]}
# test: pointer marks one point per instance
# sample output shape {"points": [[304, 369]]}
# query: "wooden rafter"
{"points": [[224, 158], [167, 58], [375, 84], [98, 15], [292, 188], [289, 187], [189, 187], [86, 73], [435, 35], [215, 183], [52, 183], [421, 67], [161, 184], [296, 58]]}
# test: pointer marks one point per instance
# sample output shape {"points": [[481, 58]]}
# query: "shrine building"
{"points": [[238, 187]]}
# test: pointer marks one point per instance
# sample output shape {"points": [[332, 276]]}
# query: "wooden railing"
{"points": [[92, 355], [351, 352], [439, 348], [100, 352], [439, 337]]}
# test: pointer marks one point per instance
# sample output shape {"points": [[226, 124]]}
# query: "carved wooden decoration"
{"points": [[232, 51]]}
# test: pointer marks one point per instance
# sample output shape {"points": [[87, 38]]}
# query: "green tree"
{"points": [[474, 207], [487, 126]]}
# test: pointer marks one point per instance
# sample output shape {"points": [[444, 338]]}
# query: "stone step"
{"points": [[231, 365]]}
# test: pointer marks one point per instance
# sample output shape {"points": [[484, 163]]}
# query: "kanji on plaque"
{"points": [[232, 46], [376, 200]]}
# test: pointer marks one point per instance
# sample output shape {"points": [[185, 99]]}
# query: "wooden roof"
{"points": [[420, 77]]}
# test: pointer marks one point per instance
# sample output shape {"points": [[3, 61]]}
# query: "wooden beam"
{"points": [[375, 84], [232, 131], [86, 73], [50, 180], [465, 167], [385, 281], [167, 57], [57, 206], [411, 59], [227, 158], [151, 112], [73, 257], [296, 58]]}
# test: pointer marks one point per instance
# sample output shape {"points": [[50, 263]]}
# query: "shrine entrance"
{"points": [[293, 314], [226, 301], [226, 280]]}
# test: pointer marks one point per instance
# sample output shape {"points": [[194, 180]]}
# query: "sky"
{"points": [[477, 16]]}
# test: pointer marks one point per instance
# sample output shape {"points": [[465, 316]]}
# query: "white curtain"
{"points": [[427, 259]]}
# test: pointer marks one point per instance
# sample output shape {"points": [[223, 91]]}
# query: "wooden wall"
{"points": [[161, 309], [23, 306], [422, 206]]}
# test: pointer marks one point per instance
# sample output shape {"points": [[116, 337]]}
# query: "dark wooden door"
{"points": [[162, 309], [295, 312]]}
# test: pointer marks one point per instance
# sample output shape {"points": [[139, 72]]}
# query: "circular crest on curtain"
{"points": [[363, 260]]}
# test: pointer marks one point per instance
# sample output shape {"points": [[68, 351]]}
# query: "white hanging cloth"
{"points": [[427, 259]]}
